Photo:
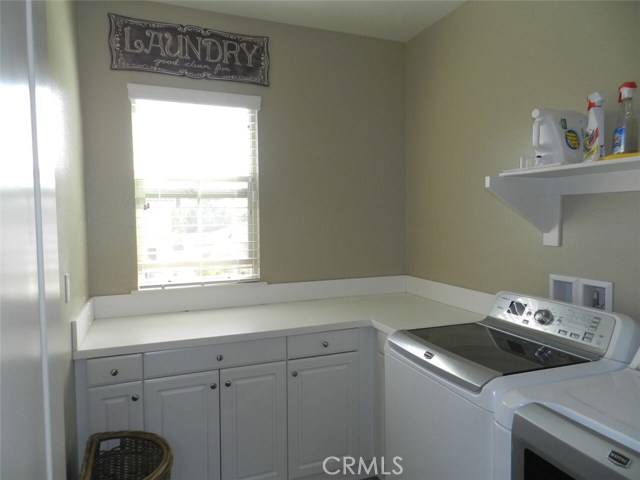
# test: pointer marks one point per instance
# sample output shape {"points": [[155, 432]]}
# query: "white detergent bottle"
{"points": [[594, 135], [558, 136], [625, 137]]}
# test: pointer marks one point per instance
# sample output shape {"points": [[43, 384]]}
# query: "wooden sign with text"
{"points": [[186, 50]]}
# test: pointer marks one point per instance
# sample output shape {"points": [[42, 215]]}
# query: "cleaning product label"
{"points": [[558, 136], [593, 141], [572, 139], [592, 144], [618, 140]]}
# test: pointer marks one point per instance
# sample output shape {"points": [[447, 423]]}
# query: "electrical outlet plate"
{"points": [[581, 291], [597, 294], [564, 289]]}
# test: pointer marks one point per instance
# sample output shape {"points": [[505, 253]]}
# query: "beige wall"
{"points": [[70, 195], [472, 81], [331, 138], [65, 134], [333, 143]]}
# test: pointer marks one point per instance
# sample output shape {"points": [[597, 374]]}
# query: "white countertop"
{"points": [[144, 333]]}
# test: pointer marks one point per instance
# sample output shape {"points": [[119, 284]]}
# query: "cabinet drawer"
{"points": [[322, 343], [108, 370], [211, 357]]}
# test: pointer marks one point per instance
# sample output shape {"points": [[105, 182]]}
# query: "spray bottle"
{"points": [[594, 135], [625, 137]]}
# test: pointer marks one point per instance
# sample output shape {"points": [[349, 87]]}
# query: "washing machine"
{"points": [[442, 384], [585, 428]]}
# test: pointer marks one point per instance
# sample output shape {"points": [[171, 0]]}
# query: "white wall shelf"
{"points": [[536, 193]]}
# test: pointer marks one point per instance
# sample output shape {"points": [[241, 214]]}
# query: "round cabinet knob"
{"points": [[219, 358], [114, 372], [325, 344], [543, 317], [213, 386], [294, 373], [227, 383], [135, 397]]}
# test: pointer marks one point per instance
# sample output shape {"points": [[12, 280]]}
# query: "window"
{"points": [[196, 186]]}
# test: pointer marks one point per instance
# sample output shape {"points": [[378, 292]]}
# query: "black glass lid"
{"points": [[500, 351]]}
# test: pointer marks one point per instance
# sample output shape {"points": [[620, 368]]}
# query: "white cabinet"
{"points": [[323, 407], [114, 399], [184, 409], [273, 408], [115, 407], [253, 421], [228, 423], [379, 394]]}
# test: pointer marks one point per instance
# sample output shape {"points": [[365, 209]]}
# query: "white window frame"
{"points": [[199, 97]]}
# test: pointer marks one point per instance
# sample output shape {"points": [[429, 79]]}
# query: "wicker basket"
{"points": [[127, 455]]}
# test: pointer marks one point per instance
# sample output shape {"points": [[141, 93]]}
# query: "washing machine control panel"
{"points": [[580, 327]]}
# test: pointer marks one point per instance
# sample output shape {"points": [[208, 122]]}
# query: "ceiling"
{"points": [[398, 20]]}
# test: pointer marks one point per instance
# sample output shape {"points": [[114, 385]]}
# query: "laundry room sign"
{"points": [[187, 50]]}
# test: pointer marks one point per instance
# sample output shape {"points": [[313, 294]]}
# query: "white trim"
{"points": [[45, 357], [81, 324], [208, 297], [202, 97], [466, 299], [149, 302]]}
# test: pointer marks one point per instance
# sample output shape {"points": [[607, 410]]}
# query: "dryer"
{"points": [[442, 384], [585, 428]]}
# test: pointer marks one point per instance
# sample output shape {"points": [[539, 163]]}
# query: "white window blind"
{"points": [[196, 186]]}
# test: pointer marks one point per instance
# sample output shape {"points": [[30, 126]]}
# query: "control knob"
{"points": [[543, 317], [543, 354]]}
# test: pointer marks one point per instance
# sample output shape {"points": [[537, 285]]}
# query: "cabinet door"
{"points": [[323, 412], [115, 407], [184, 409], [253, 422]]}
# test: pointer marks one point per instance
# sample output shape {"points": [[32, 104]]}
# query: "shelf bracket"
{"points": [[531, 198], [536, 193]]}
